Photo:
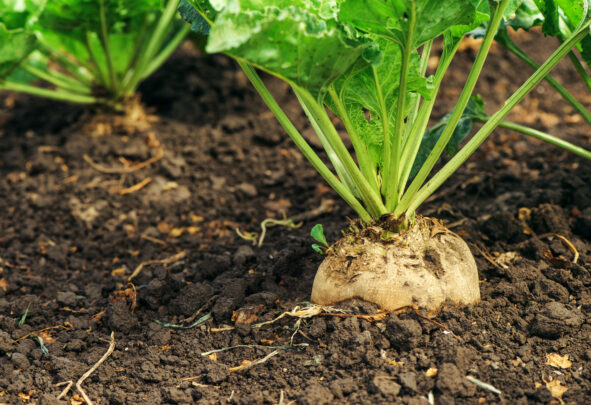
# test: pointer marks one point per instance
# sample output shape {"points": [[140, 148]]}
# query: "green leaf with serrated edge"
{"points": [[197, 19], [317, 233], [474, 109], [299, 41], [390, 18], [363, 87]]}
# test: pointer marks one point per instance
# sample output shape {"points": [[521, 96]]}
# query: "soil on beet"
{"points": [[72, 233]]}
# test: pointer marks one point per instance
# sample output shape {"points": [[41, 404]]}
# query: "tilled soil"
{"points": [[91, 243]]}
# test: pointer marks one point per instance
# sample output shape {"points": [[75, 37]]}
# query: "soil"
{"points": [[79, 218]]}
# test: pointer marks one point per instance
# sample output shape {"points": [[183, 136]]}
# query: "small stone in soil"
{"points": [[223, 308], [215, 373], [191, 298], [6, 342], [554, 320], [403, 332], [67, 298], [120, 318], [316, 394], [549, 218], [248, 189], [176, 396], [408, 381], [264, 298], [20, 361], [243, 255], [384, 384], [450, 380]]}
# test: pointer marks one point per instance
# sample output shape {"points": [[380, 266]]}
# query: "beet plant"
{"points": [[85, 51], [558, 19], [366, 61]]}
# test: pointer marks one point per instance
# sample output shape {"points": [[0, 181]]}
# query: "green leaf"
{"points": [[369, 93], [390, 18], [317, 233], [299, 41], [20, 13], [573, 11], [69, 15], [197, 19], [526, 16], [317, 248], [17, 40], [15, 46], [474, 109], [522, 14], [559, 18]]}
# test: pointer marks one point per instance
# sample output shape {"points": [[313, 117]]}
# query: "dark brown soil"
{"points": [[71, 234]]}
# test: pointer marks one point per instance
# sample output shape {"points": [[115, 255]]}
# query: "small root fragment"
{"points": [[298, 312], [169, 260], [40, 331], [248, 365], [131, 189], [257, 240], [124, 170], [65, 390], [293, 223], [298, 346], [93, 368], [570, 246], [486, 255]]}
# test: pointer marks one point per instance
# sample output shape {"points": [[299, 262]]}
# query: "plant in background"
{"points": [[557, 18], [365, 60], [85, 51]]}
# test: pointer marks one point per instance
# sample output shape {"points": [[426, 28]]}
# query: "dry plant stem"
{"points": [[254, 363], [570, 246], [168, 260], [131, 189], [65, 390], [93, 368], [257, 240], [123, 170], [37, 332]]}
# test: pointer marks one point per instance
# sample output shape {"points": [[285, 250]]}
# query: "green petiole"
{"points": [[495, 120]]}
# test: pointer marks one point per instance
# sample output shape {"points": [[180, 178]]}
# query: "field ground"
{"points": [[79, 217]]}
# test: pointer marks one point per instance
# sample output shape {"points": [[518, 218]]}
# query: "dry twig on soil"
{"points": [[570, 246], [168, 260], [251, 364], [93, 368], [65, 390], [123, 170], [132, 189], [39, 331]]}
